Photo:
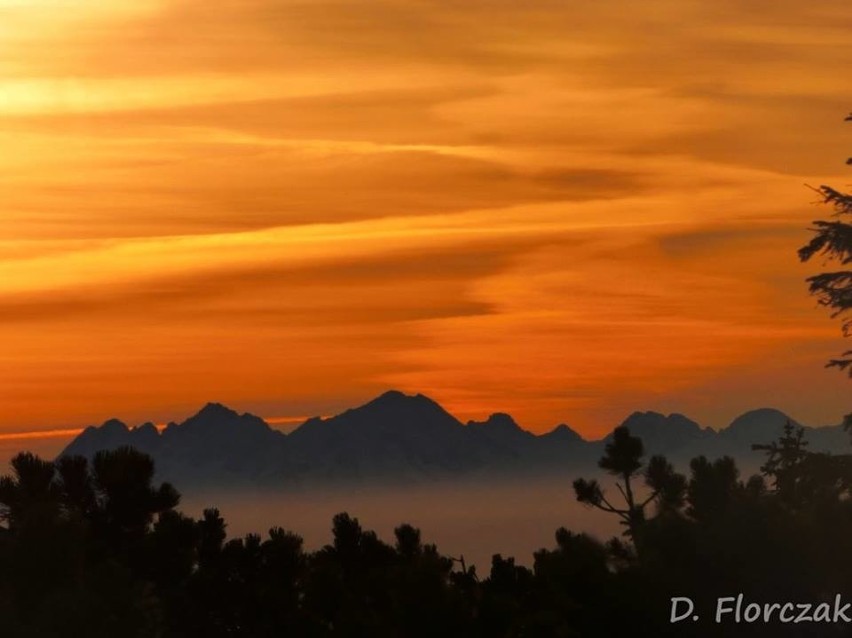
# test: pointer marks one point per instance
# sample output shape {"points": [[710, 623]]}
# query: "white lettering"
{"points": [[721, 607], [804, 613], [840, 612], [752, 612], [677, 601]]}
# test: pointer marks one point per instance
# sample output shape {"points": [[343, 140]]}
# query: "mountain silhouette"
{"points": [[762, 422], [666, 434], [564, 434], [394, 435], [500, 427], [410, 438]]}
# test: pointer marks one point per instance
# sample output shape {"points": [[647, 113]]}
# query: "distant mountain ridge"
{"points": [[411, 438]]}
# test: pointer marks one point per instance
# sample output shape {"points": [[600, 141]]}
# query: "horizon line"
{"points": [[298, 420]]}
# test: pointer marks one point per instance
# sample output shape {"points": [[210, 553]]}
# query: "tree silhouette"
{"points": [[127, 499], [800, 477], [76, 487], [623, 459], [833, 240], [28, 491], [785, 459], [712, 487], [98, 550]]}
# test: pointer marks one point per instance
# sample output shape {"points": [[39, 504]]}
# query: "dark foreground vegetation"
{"points": [[97, 549]]}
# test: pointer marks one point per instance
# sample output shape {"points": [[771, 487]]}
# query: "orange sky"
{"points": [[562, 210]]}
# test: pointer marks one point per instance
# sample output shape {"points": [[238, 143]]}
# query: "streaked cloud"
{"points": [[566, 211]]}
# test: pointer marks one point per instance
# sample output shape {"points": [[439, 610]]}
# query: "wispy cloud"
{"points": [[272, 202]]}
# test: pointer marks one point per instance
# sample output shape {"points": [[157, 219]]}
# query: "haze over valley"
{"points": [[475, 488]]}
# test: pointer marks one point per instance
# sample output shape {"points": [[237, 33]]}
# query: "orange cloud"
{"points": [[564, 212]]}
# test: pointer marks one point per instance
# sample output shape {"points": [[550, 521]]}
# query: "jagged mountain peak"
{"points": [[219, 415], [391, 395], [662, 433], [650, 416], [397, 435], [499, 425], [215, 411], [563, 432], [497, 420], [396, 406], [148, 426], [397, 399], [114, 426]]}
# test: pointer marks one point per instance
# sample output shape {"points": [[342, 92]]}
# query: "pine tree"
{"points": [[833, 240]]}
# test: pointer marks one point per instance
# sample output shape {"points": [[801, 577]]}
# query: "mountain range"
{"points": [[403, 438]]}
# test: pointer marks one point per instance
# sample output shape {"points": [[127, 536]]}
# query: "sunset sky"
{"points": [[563, 210]]}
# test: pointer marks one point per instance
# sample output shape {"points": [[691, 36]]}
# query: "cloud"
{"points": [[267, 201], [386, 289], [190, 180]]}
